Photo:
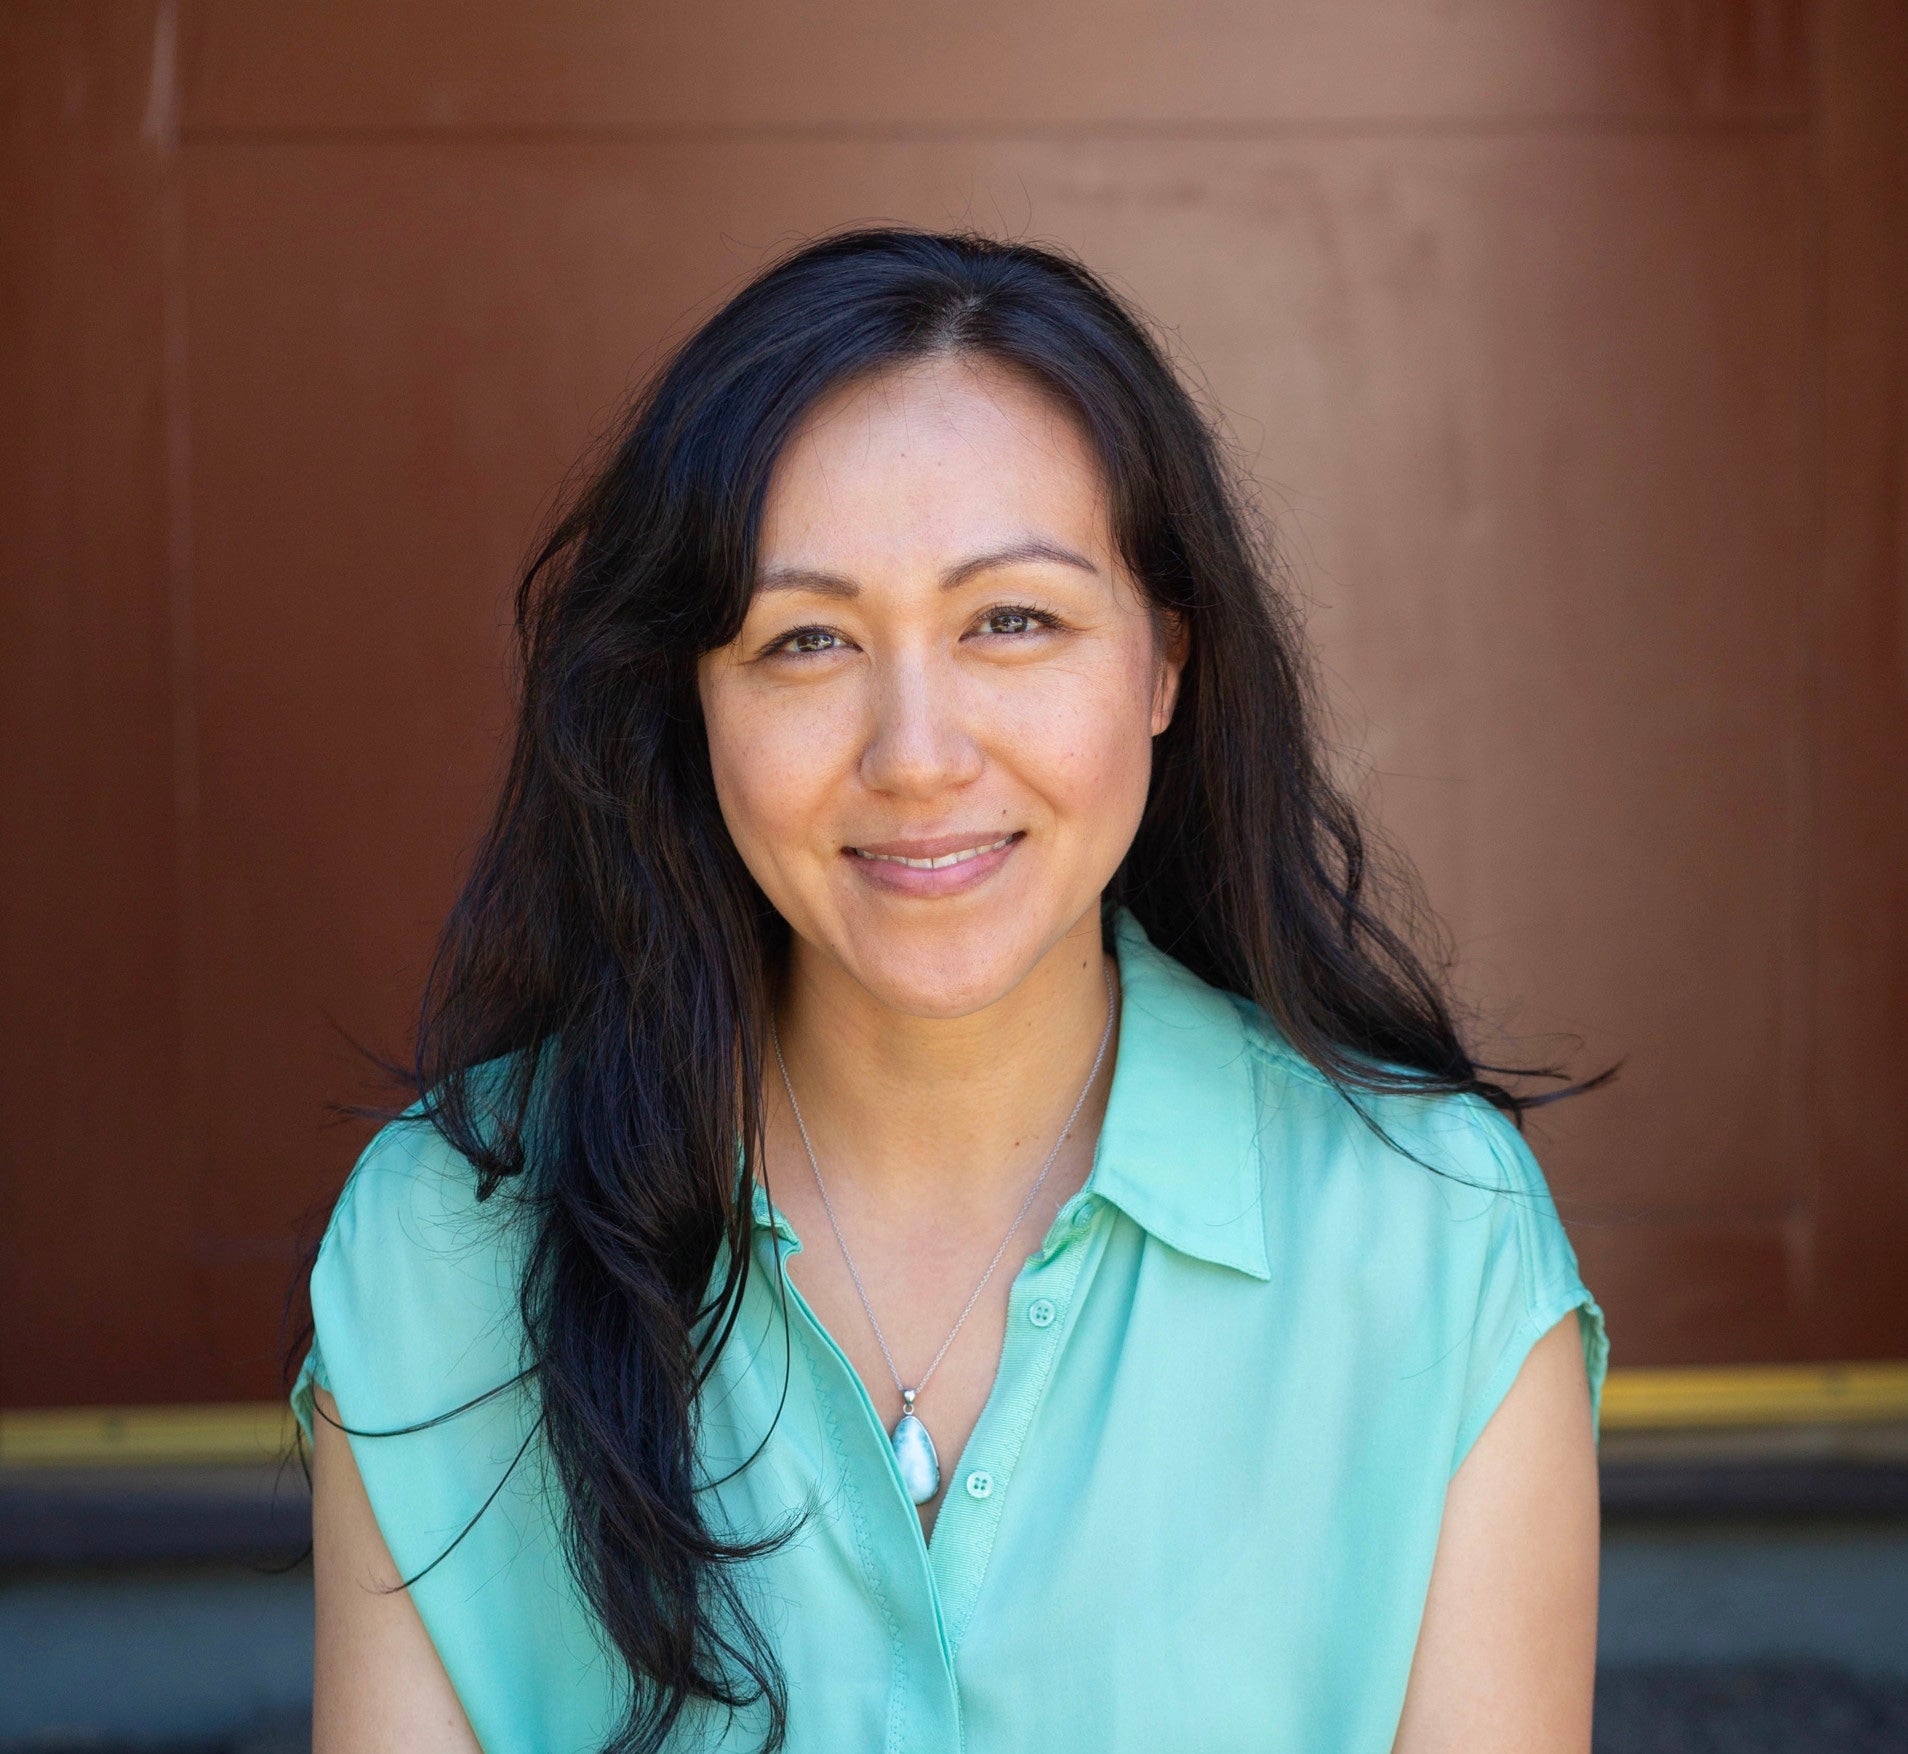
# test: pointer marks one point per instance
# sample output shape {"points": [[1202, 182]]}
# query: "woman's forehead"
{"points": [[951, 453]]}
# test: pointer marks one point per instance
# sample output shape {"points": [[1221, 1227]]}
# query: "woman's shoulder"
{"points": [[416, 1286], [1424, 1168], [412, 1204], [1419, 1212], [1385, 1138]]}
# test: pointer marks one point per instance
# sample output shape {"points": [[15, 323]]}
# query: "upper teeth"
{"points": [[942, 862]]}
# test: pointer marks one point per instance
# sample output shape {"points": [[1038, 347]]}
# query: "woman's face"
{"points": [[944, 661]]}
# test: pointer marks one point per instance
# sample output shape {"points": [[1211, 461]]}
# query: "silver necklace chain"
{"points": [[908, 1395]]}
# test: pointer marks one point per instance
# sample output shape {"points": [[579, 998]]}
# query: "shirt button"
{"points": [[980, 1484], [1041, 1312]]}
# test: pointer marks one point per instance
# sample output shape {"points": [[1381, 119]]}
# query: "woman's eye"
{"points": [[1011, 619], [805, 641]]}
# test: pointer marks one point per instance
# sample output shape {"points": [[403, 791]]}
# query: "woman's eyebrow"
{"points": [[829, 584], [1014, 554], [802, 578]]}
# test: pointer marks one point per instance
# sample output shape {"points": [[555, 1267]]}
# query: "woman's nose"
{"points": [[920, 742]]}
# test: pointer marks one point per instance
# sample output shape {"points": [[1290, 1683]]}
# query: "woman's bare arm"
{"points": [[379, 1687], [1506, 1656]]}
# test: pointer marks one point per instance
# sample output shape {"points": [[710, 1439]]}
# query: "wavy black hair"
{"points": [[611, 950]]}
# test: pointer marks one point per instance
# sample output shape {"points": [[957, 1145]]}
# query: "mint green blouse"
{"points": [[1199, 1509]]}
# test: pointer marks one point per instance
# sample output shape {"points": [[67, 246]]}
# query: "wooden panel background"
{"points": [[1564, 341]]}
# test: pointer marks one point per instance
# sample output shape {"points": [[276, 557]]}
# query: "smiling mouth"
{"points": [[936, 864]]}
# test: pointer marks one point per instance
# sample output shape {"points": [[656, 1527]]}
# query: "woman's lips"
{"points": [[945, 865]]}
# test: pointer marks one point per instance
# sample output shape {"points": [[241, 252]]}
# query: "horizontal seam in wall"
{"points": [[957, 133]]}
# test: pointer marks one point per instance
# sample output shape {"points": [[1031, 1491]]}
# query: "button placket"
{"points": [[964, 1534]]}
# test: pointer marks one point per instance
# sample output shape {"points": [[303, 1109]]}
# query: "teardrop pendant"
{"points": [[914, 1455]]}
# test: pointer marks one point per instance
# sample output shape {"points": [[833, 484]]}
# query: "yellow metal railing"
{"points": [[245, 1431], [1761, 1394], [1633, 1400]]}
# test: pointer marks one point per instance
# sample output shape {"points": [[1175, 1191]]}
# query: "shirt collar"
{"points": [[1178, 1150]]}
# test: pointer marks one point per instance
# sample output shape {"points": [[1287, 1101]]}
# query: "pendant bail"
{"points": [[907, 1400]]}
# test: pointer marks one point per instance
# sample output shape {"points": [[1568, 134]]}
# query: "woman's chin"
{"points": [[941, 961]]}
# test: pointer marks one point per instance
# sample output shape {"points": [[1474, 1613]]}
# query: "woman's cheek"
{"points": [[1084, 739], [779, 764]]}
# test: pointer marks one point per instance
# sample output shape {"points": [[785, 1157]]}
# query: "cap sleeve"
{"points": [[418, 1337], [415, 1304], [1528, 1282], [311, 1377]]}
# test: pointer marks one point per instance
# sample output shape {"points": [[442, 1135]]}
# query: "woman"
{"points": [[939, 1213]]}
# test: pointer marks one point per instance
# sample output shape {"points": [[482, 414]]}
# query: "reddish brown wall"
{"points": [[99, 1210], [1560, 338]]}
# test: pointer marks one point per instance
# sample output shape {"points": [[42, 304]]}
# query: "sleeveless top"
{"points": [[1199, 1509]]}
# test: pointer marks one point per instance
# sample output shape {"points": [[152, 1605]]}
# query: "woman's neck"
{"points": [[958, 1110]]}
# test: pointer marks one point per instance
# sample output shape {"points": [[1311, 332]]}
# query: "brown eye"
{"points": [[1012, 619], [806, 640]]}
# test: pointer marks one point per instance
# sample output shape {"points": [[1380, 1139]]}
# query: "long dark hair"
{"points": [[608, 963]]}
